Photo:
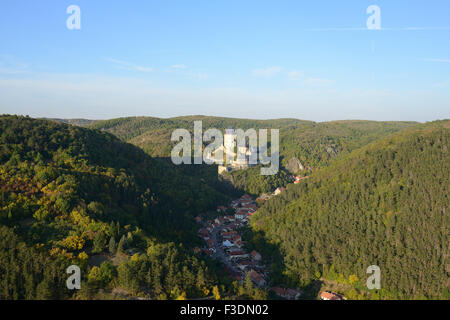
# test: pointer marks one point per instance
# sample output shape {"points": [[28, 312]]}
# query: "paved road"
{"points": [[220, 253]]}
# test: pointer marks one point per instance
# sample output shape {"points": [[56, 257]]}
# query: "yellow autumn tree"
{"points": [[94, 274], [216, 293], [73, 242], [182, 296], [83, 256], [353, 278], [135, 257]]}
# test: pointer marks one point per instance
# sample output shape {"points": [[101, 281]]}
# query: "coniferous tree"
{"points": [[112, 245], [98, 243], [122, 244]]}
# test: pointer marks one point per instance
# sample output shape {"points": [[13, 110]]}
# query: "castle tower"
{"points": [[229, 140]]}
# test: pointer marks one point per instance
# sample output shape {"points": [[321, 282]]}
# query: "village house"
{"points": [[229, 218], [210, 243], [278, 191], [204, 234], [227, 244], [292, 294], [240, 216], [243, 264], [263, 197], [234, 203], [209, 251], [228, 235], [239, 244], [257, 278], [238, 255], [330, 296], [236, 238], [289, 294], [256, 256]]}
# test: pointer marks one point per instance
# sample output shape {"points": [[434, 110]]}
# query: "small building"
{"points": [[227, 243], [330, 296], [292, 294], [243, 264], [219, 220], [238, 255], [239, 244], [240, 216], [236, 238], [257, 278], [289, 294], [210, 243], [256, 256], [209, 251], [204, 233]]}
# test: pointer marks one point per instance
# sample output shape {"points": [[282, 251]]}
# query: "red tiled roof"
{"points": [[292, 292], [256, 276], [329, 296], [254, 253], [237, 253]]}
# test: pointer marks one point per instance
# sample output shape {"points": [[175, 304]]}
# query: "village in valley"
{"points": [[223, 241]]}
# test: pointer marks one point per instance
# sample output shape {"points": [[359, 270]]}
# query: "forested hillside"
{"points": [[252, 182], [68, 193], [71, 195], [305, 146], [313, 144], [386, 204]]}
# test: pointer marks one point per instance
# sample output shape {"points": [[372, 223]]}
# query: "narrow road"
{"points": [[220, 253]]}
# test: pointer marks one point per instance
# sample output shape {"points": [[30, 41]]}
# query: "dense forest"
{"points": [[386, 204], [305, 146], [69, 193], [252, 182], [313, 144], [75, 192]]}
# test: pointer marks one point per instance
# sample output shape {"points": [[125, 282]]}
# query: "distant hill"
{"points": [[385, 204], [313, 144], [304, 145], [75, 122]]}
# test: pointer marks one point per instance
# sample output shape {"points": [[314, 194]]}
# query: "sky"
{"points": [[312, 60]]}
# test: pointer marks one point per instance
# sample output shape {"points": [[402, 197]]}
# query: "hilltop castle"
{"points": [[229, 149]]}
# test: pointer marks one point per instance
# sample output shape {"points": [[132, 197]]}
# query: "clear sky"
{"points": [[313, 60]]}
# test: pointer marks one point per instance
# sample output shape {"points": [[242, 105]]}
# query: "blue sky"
{"points": [[311, 60]]}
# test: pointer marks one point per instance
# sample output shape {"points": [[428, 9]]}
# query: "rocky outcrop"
{"points": [[294, 165]]}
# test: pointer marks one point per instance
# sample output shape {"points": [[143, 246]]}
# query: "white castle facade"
{"points": [[231, 151]]}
